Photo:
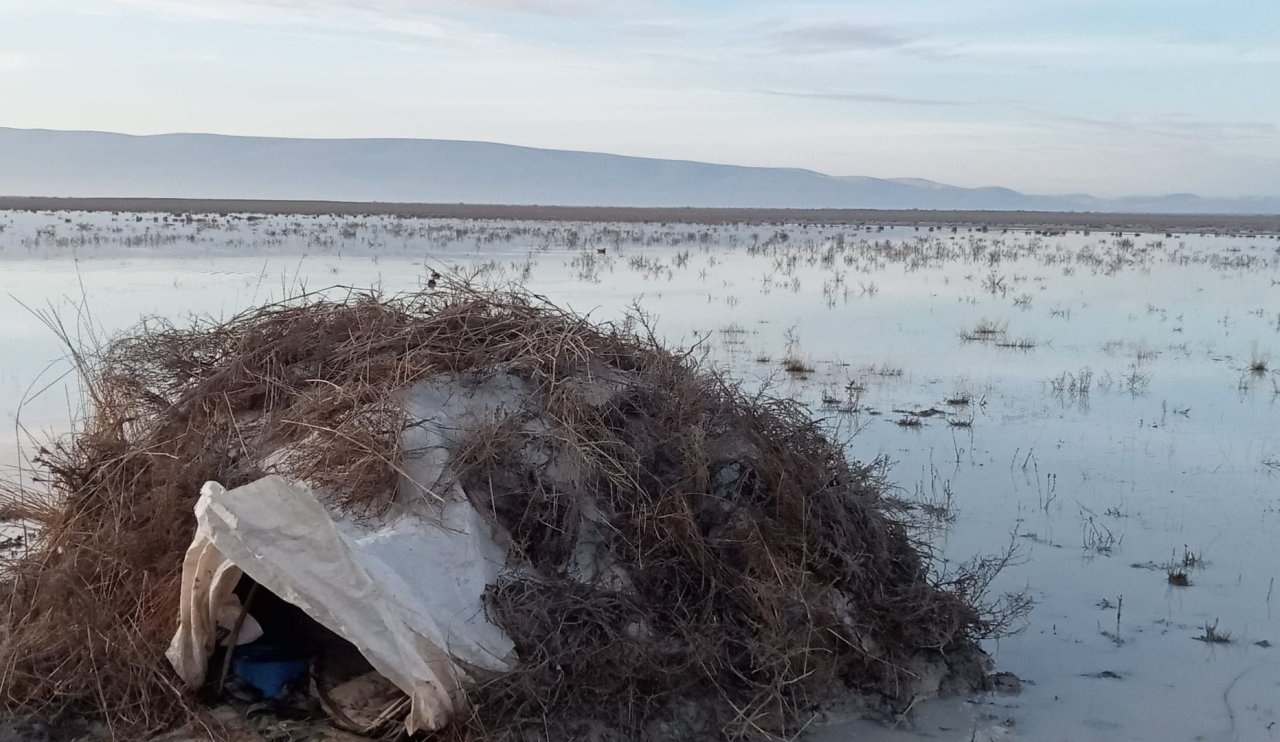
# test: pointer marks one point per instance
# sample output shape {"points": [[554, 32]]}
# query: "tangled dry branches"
{"points": [[756, 567]]}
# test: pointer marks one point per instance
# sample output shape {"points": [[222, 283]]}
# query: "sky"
{"points": [[1109, 97]]}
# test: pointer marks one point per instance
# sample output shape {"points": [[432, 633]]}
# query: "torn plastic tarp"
{"points": [[406, 588], [406, 592]]}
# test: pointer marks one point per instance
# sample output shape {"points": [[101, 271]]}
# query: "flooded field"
{"points": [[1107, 402]]}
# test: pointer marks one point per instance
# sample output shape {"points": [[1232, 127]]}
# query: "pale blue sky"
{"points": [[1104, 96]]}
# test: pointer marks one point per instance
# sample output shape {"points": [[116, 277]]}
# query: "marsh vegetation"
{"points": [[1097, 398]]}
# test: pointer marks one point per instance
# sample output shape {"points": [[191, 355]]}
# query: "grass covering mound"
{"points": [[756, 571]]}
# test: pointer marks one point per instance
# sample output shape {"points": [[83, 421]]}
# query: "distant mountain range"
{"points": [[38, 162]]}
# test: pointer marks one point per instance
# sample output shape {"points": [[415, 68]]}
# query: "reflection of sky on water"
{"points": [[1178, 462]]}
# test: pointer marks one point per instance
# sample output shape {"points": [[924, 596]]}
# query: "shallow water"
{"points": [[1172, 449]]}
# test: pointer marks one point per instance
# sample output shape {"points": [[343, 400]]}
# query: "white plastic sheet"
{"points": [[405, 589], [407, 593]]}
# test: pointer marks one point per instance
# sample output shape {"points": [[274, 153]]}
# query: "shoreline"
{"points": [[1021, 220]]}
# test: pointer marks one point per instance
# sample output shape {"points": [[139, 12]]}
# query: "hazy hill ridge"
{"points": [[36, 162]]}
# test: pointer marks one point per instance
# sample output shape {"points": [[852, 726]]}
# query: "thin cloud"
{"points": [[867, 97], [837, 38], [18, 60], [1142, 51], [1136, 50], [1173, 127], [395, 17], [303, 10]]}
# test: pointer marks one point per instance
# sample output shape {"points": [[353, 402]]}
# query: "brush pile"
{"points": [[754, 572]]}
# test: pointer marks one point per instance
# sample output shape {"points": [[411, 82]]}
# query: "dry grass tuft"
{"points": [[796, 365], [763, 568]]}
